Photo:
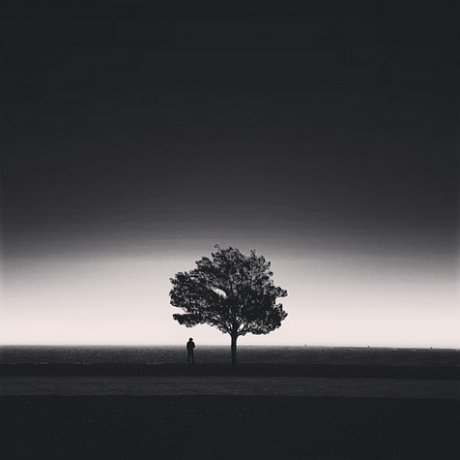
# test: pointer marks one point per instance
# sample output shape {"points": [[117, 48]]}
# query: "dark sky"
{"points": [[127, 125]]}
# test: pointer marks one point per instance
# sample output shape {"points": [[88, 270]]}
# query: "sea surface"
{"points": [[221, 355]]}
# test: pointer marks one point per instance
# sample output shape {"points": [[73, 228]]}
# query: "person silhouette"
{"points": [[190, 347]]}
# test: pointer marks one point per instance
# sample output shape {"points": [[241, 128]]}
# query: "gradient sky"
{"points": [[135, 137]]}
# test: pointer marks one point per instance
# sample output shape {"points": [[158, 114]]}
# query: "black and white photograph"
{"points": [[229, 229]]}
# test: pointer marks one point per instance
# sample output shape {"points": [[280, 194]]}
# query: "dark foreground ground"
{"points": [[224, 427], [229, 425], [260, 370]]}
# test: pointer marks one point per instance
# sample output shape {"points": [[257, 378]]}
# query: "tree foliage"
{"points": [[230, 291]]}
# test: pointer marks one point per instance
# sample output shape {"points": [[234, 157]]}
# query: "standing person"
{"points": [[190, 347]]}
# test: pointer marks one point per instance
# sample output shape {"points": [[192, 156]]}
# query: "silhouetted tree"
{"points": [[232, 292]]}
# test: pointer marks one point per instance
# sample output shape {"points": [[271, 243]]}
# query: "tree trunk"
{"points": [[234, 337]]}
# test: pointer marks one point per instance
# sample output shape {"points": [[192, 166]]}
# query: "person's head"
{"points": [[190, 339]]}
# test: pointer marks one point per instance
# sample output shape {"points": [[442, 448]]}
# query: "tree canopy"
{"points": [[230, 291]]}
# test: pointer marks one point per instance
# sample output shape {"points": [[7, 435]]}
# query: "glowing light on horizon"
{"points": [[126, 301]]}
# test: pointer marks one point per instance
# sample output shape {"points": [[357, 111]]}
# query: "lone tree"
{"points": [[232, 292]]}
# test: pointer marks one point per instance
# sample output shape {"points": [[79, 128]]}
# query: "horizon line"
{"points": [[227, 346]]}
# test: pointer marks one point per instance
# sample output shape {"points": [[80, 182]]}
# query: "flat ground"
{"points": [[227, 427], [231, 385], [212, 412]]}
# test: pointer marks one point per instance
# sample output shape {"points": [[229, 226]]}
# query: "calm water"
{"points": [[246, 354]]}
